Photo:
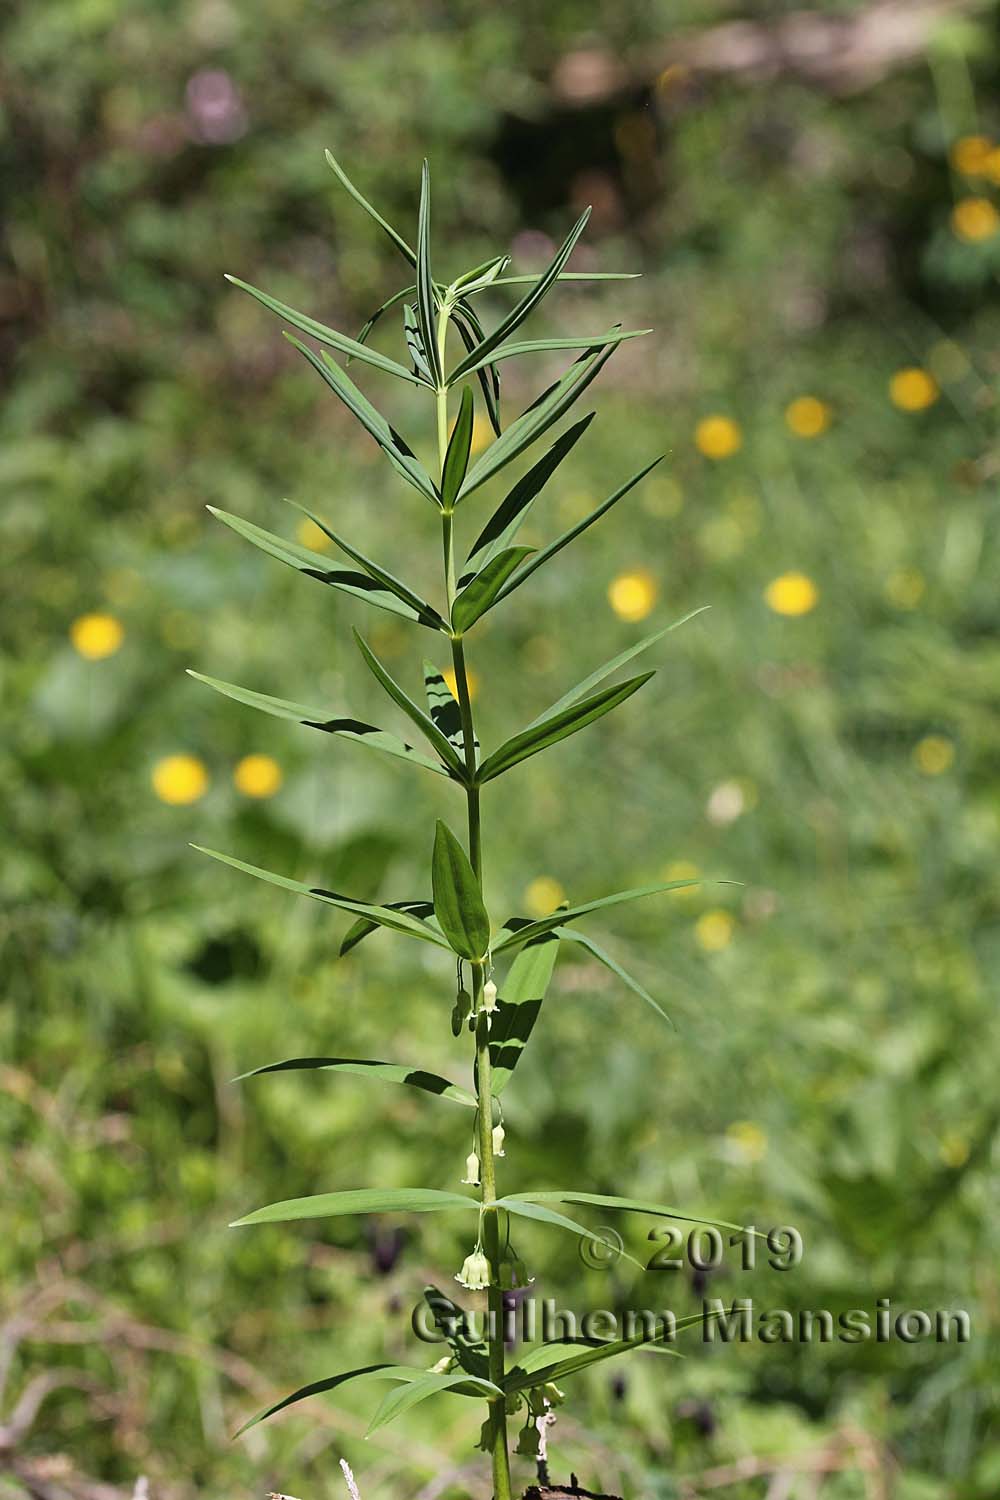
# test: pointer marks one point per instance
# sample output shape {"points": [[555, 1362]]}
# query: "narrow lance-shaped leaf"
{"points": [[518, 930], [384, 225], [358, 1201], [406, 1396], [423, 721], [560, 1363], [400, 296], [366, 1067], [398, 452], [456, 459], [317, 718], [546, 346], [415, 344], [329, 336], [425, 613], [484, 589], [445, 710], [627, 1205], [609, 963], [526, 278], [480, 276], [599, 674], [519, 1001], [527, 304], [537, 418], [426, 306], [384, 916], [451, 1321], [458, 903], [470, 331], [319, 1387], [555, 727], [547, 553], [502, 527], [524, 1207], [314, 565]]}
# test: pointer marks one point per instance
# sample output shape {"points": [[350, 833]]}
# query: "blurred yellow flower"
{"points": [[807, 416], [792, 594], [473, 681], [308, 534], [482, 434], [970, 155], [913, 389], [974, 219], [682, 869], [934, 754], [991, 167], [748, 1139], [543, 895], [718, 437], [180, 779], [257, 776], [905, 588], [96, 636], [713, 931], [953, 1149], [633, 595]]}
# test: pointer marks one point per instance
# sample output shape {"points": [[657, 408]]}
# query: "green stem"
{"points": [[502, 1489]]}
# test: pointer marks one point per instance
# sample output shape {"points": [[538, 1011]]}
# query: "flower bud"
{"points": [[444, 1364], [471, 1178], [489, 997], [475, 1272], [498, 1135]]}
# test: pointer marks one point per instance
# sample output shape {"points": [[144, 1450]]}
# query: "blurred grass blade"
{"points": [[484, 589], [544, 346], [519, 1001], [318, 1387], [384, 916], [329, 336], [384, 225], [574, 531], [537, 418], [316, 718], [415, 344], [364, 1067], [458, 903], [628, 1205], [406, 1396], [456, 459], [444, 709], [423, 721], [616, 661], [426, 304], [314, 565], [525, 307], [609, 963], [520, 931], [398, 452], [505, 521], [362, 928], [558, 726], [426, 613]]}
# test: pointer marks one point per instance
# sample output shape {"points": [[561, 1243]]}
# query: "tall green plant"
{"points": [[498, 1006]]}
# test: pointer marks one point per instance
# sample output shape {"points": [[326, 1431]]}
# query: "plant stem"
{"points": [[484, 1088]]}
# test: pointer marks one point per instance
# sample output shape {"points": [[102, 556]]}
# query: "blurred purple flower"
{"points": [[215, 108]]}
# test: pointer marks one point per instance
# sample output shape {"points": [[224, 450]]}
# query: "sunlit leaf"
{"points": [[519, 1000], [357, 1201], [361, 929], [456, 459], [471, 332], [318, 1387], [628, 1205], [425, 613], [545, 346], [445, 710], [423, 721], [609, 963], [396, 297], [485, 587], [415, 344], [525, 1206], [426, 305], [410, 1395], [458, 903], [384, 225], [365, 1067], [526, 279], [523, 930], [555, 1362], [558, 726]]}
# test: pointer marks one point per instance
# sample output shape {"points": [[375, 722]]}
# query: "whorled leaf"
{"points": [[519, 1000], [444, 709], [456, 459], [366, 1067], [425, 613], [318, 1387], [406, 1396], [484, 588], [426, 303], [547, 346], [628, 1205], [423, 721], [362, 928], [593, 948], [384, 225], [519, 930], [357, 1201], [458, 903], [555, 727]]}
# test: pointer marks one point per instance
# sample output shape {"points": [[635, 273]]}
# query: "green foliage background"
{"points": [[833, 1063]]}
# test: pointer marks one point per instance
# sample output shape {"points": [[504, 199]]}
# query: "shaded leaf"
{"points": [[503, 525], [544, 346], [537, 418], [534, 1368], [426, 305], [317, 1387], [484, 588], [610, 963], [426, 613], [471, 331], [526, 306], [415, 344], [364, 1067], [360, 929], [574, 531], [411, 1394], [456, 459], [398, 452], [423, 721], [629, 1205], [555, 727], [458, 902], [445, 710], [357, 1201], [316, 718], [520, 931], [314, 565], [524, 1206], [329, 336], [383, 916], [519, 1001], [384, 225], [396, 297], [451, 1322]]}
